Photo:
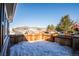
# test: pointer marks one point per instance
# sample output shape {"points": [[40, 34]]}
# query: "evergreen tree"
{"points": [[65, 24], [50, 27]]}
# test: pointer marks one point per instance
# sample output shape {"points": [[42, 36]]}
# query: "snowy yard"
{"points": [[40, 48]]}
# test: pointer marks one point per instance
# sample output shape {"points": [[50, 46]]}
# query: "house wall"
{"points": [[4, 31], [0, 27], [4, 25]]}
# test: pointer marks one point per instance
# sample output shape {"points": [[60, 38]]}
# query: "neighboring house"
{"points": [[76, 26], [7, 11]]}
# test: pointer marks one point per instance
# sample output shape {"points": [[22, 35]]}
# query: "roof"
{"points": [[76, 25]]}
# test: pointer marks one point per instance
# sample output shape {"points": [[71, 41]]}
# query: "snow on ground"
{"points": [[40, 48]]}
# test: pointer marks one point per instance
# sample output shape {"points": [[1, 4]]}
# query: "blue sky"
{"points": [[42, 14]]}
